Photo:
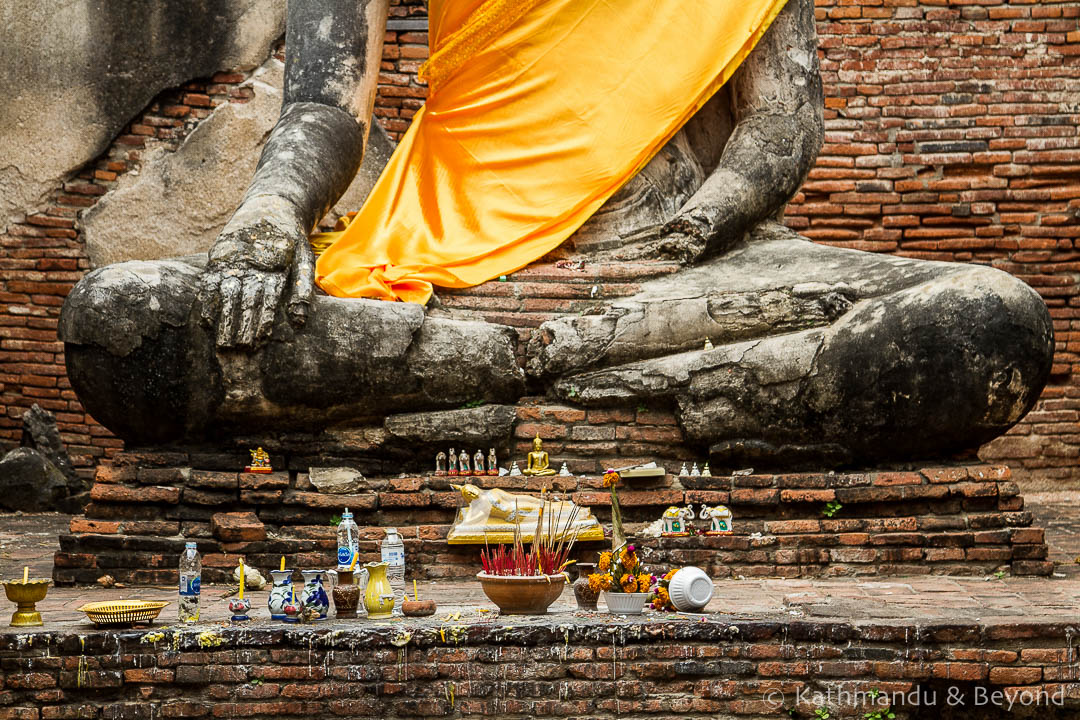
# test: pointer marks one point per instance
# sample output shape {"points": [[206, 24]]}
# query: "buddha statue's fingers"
{"points": [[268, 310], [229, 289], [302, 292], [209, 297], [250, 303], [669, 244], [675, 244]]}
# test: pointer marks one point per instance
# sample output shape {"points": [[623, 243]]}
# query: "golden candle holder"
{"points": [[26, 594]]}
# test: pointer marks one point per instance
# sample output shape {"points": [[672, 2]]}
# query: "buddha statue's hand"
{"points": [[260, 261], [676, 241]]}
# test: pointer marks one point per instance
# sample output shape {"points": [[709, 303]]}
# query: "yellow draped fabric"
{"points": [[539, 111]]}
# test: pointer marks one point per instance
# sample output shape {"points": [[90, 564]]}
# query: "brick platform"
{"points": [[947, 520], [761, 648]]}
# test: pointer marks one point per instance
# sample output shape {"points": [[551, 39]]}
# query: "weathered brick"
{"points": [[334, 502], [237, 526], [1027, 535], [122, 494], [149, 675], [1015, 675], [214, 480], [264, 481], [807, 496]]}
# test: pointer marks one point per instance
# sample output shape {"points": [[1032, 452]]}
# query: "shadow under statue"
{"points": [[821, 354]]}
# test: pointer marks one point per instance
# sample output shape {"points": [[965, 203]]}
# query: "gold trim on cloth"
{"points": [[486, 23]]}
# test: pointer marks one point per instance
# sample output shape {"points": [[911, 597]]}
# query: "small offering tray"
{"points": [[123, 612]]}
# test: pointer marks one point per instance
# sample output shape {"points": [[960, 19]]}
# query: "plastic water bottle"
{"points": [[190, 584], [348, 540], [393, 553]]}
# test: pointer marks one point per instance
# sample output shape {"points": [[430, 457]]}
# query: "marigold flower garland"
{"points": [[621, 571], [661, 597]]}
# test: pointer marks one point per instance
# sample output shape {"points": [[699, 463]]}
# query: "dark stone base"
{"points": [[656, 666]]}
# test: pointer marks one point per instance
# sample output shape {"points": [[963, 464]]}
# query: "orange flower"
{"points": [[605, 582], [611, 478], [596, 582], [605, 561], [670, 574], [628, 558], [629, 583], [662, 597], [644, 582]]}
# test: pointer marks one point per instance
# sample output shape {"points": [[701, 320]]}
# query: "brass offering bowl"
{"points": [[25, 595]]}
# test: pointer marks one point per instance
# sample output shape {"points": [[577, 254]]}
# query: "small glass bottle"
{"points": [[348, 540], [393, 554], [190, 584]]}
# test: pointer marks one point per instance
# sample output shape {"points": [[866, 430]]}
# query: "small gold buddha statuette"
{"points": [[538, 460], [260, 462]]}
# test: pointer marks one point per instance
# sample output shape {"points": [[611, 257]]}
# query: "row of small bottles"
{"points": [[392, 549], [348, 541]]}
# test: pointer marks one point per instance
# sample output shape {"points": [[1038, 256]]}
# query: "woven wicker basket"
{"points": [[123, 612]]}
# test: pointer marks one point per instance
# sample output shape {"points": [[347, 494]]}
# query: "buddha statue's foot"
{"points": [[817, 351], [145, 367]]}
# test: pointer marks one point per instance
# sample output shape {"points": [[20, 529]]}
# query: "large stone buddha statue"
{"points": [[817, 351]]}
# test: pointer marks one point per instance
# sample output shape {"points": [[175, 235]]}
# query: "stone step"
{"points": [[747, 657], [966, 520], [820, 554]]}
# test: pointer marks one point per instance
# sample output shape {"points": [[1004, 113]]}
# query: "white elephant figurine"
{"points": [[675, 521], [720, 518]]}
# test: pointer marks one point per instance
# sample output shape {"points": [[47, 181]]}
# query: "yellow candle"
{"points": [[355, 557], [282, 562], [25, 574], [241, 579], [415, 594]]}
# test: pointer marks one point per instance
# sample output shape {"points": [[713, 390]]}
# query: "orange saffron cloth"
{"points": [[538, 111]]}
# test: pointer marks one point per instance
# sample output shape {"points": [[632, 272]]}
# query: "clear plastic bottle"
{"points": [[348, 540], [190, 584], [393, 553]]}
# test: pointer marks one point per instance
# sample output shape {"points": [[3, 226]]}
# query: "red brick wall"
{"points": [[43, 256], [951, 135]]}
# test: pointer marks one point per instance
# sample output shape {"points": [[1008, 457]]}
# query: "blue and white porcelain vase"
{"points": [[280, 593], [314, 596]]}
